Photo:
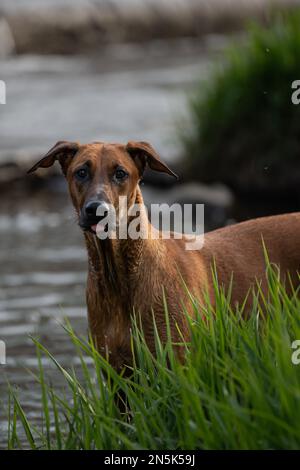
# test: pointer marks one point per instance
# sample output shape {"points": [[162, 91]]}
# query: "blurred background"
{"points": [[207, 82]]}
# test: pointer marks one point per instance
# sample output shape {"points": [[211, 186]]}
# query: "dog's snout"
{"points": [[96, 209], [91, 208], [93, 212]]}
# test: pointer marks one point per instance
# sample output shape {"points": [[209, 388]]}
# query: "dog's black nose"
{"points": [[91, 208]]}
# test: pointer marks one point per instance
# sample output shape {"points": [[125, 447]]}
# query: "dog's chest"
{"points": [[109, 325]]}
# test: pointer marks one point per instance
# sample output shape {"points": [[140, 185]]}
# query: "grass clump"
{"points": [[244, 127], [238, 388]]}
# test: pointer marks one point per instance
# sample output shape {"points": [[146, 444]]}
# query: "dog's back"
{"points": [[238, 251]]}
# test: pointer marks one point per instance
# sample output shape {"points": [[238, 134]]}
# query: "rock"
{"points": [[188, 193], [67, 27], [7, 42], [218, 200]]}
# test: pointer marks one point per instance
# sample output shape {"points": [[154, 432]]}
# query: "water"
{"points": [[126, 93]]}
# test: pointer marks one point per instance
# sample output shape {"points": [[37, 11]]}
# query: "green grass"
{"points": [[237, 389], [244, 127]]}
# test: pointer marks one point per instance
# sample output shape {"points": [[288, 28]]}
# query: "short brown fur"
{"points": [[130, 275]]}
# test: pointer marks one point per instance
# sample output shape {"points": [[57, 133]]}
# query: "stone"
{"points": [[7, 42]]}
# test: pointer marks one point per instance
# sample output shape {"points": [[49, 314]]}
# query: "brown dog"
{"points": [[127, 275]]}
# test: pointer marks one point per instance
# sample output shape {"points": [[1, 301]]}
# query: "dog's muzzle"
{"points": [[92, 213]]}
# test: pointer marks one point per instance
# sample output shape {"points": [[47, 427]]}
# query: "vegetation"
{"points": [[245, 128], [238, 388]]}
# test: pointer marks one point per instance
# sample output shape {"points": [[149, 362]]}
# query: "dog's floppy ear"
{"points": [[143, 153], [62, 151]]}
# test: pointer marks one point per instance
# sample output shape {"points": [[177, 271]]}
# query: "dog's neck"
{"points": [[115, 264]]}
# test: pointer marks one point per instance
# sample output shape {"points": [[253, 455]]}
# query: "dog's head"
{"points": [[99, 173]]}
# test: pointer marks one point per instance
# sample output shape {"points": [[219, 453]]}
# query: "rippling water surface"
{"points": [[42, 276]]}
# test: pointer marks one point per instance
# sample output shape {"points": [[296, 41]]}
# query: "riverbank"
{"points": [[65, 27]]}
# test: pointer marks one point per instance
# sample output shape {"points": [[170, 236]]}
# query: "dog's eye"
{"points": [[81, 174], [120, 174]]}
